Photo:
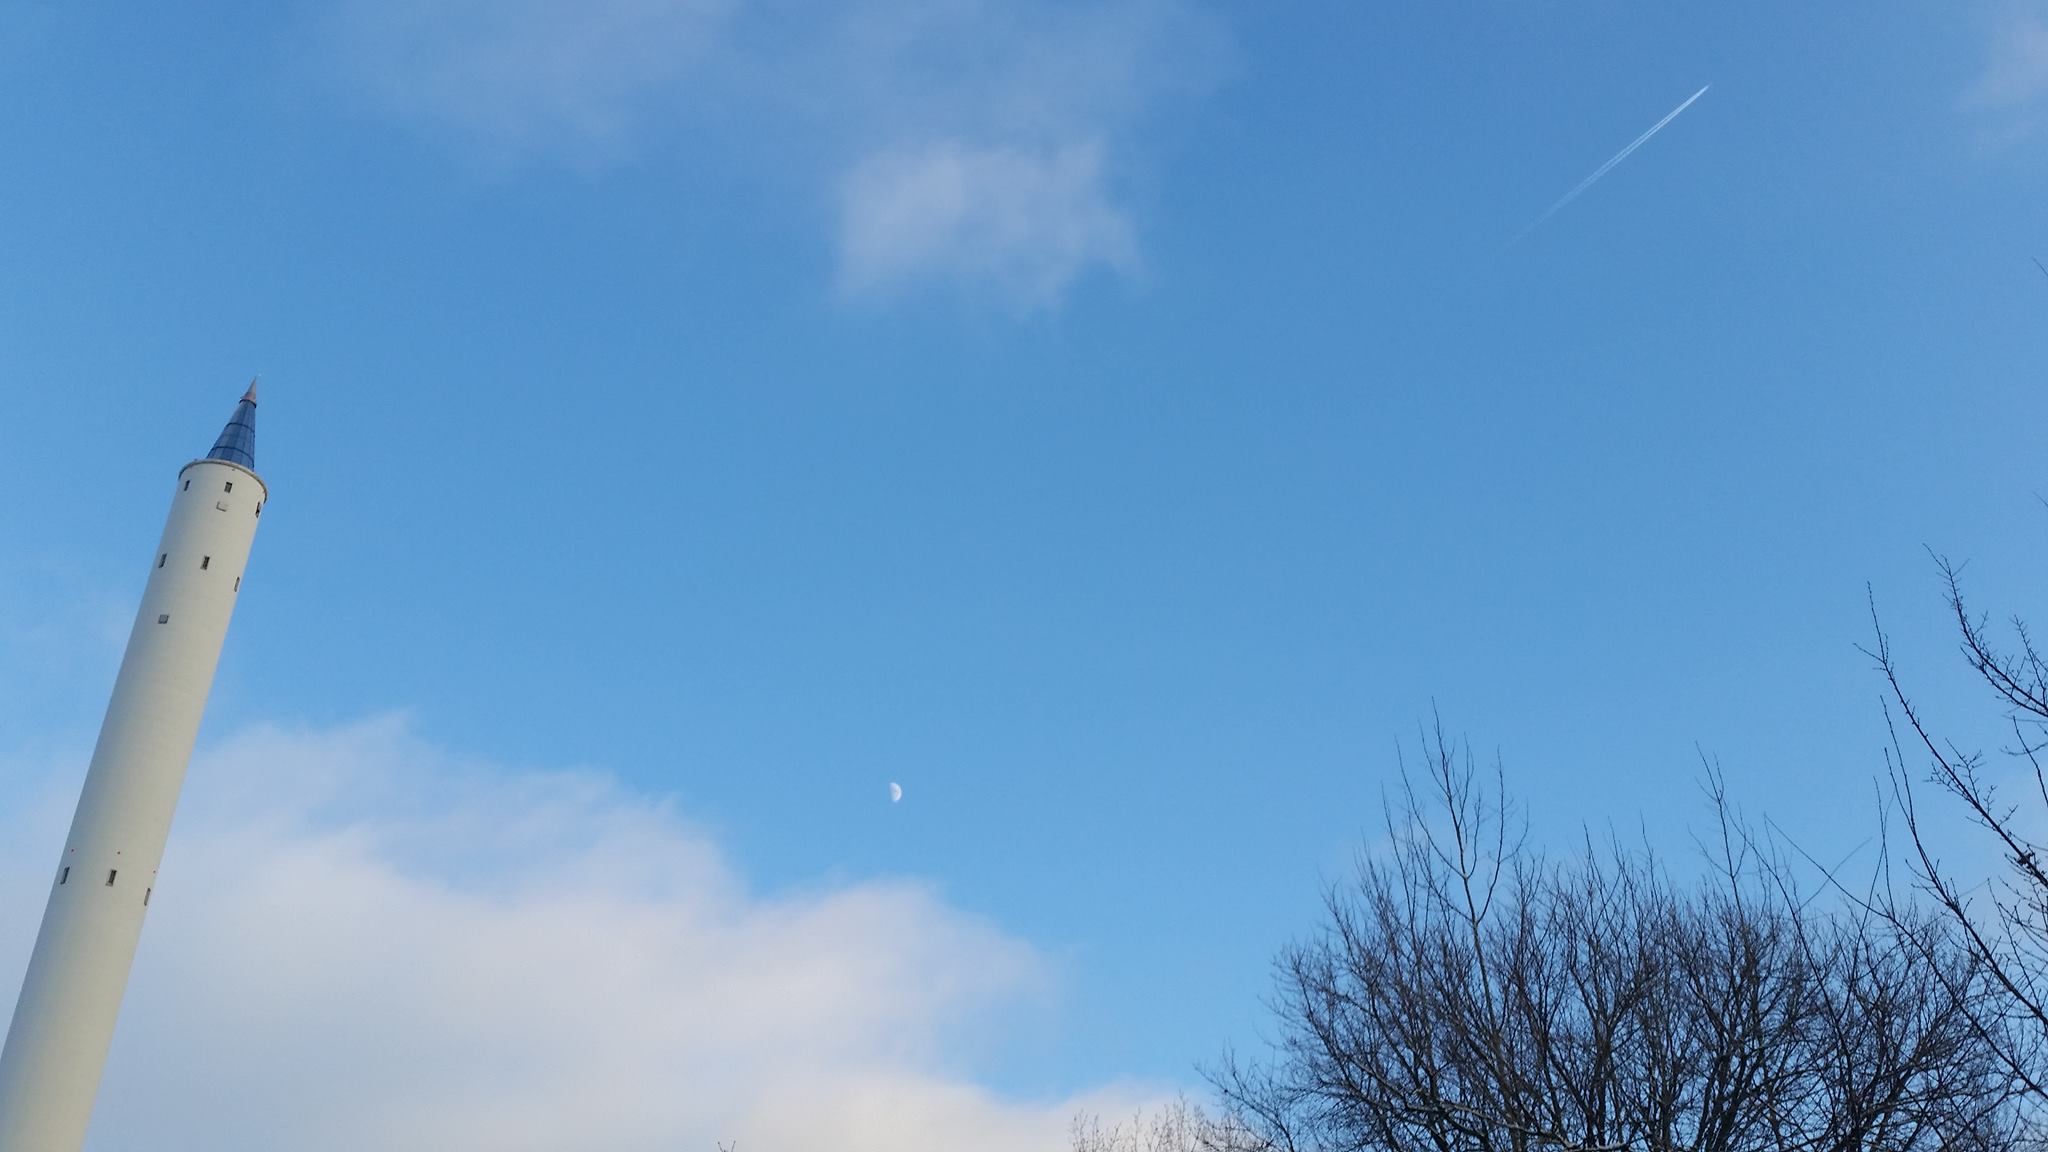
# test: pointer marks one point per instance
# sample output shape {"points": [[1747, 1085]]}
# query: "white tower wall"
{"points": [[64, 1022]]}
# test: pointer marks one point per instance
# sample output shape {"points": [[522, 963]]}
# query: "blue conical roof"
{"points": [[237, 443]]}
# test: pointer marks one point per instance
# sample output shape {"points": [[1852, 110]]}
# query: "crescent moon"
{"points": [[895, 792]]}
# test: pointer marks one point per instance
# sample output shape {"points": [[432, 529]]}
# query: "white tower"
{"points": [[64, 1022]]}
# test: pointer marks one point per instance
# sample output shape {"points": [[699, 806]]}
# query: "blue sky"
{"points": [[1119, 423]]}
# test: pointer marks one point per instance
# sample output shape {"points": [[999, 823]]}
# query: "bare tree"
{"points": [[1180, 1126], [2002, 919], [1467, 994]]}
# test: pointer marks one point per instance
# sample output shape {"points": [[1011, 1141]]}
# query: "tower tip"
{"points": [[237, 443], [250, 395]]}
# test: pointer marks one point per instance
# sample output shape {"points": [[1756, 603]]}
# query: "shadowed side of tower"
{"points": [[64, 1021]]}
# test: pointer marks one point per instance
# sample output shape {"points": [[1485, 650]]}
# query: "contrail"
{"points": [[1604, 169]]}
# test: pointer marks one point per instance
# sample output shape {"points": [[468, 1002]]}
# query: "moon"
{"points": [[895, 792]]}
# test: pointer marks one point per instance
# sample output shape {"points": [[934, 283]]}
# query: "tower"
{"points": [[64, 1021]]}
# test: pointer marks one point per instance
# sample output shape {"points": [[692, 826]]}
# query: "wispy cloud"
{"points": [[974, 142], [1026, 222], [361, 941], [521, 78], [63, 647], [2013, 86]]}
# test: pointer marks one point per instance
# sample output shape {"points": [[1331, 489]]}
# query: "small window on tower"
{"points": [[160, 560], [145, 896], [187, 487], [111, 873], [205, 562], [228, 487], [164, 618], [64, 875], [238, 583]]}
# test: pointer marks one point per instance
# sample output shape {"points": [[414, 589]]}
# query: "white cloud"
{"points": [[967, 141], [1026, 222], [363, 942]]}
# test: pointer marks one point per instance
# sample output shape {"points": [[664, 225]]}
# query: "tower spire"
{"points": [[237, 442]]}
